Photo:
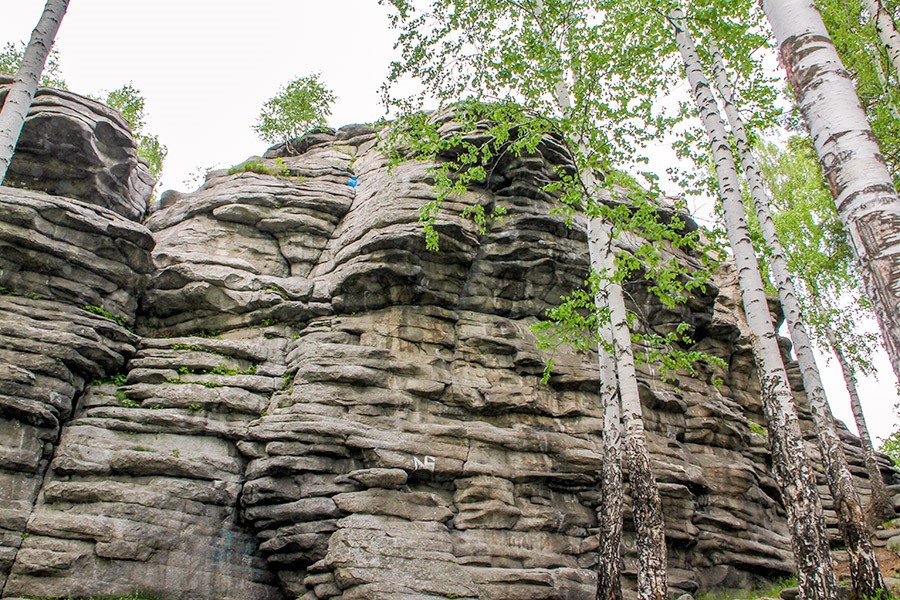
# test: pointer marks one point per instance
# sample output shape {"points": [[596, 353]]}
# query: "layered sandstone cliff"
{"points": [[268, 389]]}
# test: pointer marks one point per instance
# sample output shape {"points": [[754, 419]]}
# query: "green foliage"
{"points": [[287, 380], [97, 310], [192, 347], [129, 101], [117, 380], [576, 321], [209, 333], [257, 166], [224, 370], [125, 401], [506, 60], [195, 407], [757, 428], [891, 447], [817, 250], [301, 105], [11, 59], [770, 591]]}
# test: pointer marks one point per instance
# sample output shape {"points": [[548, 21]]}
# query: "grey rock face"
{"points": [[75, 147], [314, 406]]}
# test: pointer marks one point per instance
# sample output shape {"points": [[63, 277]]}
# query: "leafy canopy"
{"points": [[301, 105], [819, 257]]}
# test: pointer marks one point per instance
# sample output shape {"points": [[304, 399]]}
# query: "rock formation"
{"points": [[268, 389]]}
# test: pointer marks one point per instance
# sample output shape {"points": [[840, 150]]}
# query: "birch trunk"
{"points": [[609, 582], [887, 30], [791, 468], [867, 203], [880, 506], [864, 571], [647, 507], [20, 95]]}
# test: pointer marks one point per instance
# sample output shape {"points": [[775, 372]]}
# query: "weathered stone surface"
{"points": [[76, 147], [316, 407]]}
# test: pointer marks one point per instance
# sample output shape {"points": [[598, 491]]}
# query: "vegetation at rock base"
{"points": [[769, 591]]}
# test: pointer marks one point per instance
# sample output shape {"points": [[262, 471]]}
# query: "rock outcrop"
{"points": [[269, 389]]}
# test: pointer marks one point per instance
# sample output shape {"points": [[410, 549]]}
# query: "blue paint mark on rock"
{"points": [[353, 182]]}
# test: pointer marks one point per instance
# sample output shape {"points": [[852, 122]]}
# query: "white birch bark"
{"points": [[609, 583], [867, 202], [864, 571], [647, 507], [20, 95], [887, 30], [791, 468], [880, 506]]}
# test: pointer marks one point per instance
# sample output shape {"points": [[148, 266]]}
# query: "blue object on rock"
{"points": [[353, 182]]}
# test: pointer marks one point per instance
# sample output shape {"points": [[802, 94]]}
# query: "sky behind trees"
{"points": [[206, 68]]}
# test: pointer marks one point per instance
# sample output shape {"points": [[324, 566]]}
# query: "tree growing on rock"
{"points": [[19, 97], [301, 105], [129, 101]]}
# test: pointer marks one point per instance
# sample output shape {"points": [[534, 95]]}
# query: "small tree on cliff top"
{"points": [[301, 105]]}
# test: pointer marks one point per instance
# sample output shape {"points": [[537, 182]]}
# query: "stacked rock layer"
{"points": [[268, 389]]}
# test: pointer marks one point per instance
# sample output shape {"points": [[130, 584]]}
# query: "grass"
{"points": [[118, 380], [125, 401], [221, 369], [757, 428], [102, 312], [187, 347], [771, 591]]}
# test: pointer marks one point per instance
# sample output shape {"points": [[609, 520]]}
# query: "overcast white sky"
{"points": [[206, 67]]}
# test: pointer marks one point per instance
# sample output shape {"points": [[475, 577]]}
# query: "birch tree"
{"points": [[866, 576], [547, 53], [790, 465], [866, 200], [828, 287], [20, 95]]}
